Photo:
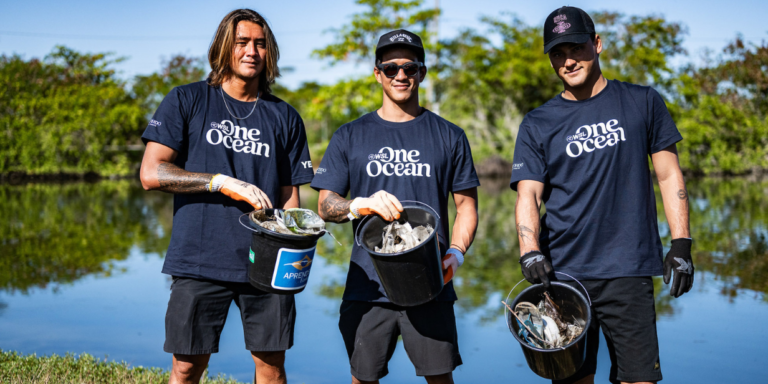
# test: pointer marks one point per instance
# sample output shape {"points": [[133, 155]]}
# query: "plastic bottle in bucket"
{"points": [[280, 263], [414, 276], [555, 363]]}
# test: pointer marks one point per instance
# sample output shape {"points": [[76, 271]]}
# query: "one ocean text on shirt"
{"points": [[237, 138], [596, 136], [396, 162]]}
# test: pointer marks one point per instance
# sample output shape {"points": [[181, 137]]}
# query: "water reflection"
{"points": [[58, 234]]}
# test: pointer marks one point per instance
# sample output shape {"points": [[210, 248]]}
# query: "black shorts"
{"points": [[370, 332], [198, 309], [625, 310]]}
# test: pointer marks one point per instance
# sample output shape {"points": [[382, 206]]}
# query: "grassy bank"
{"points": [[82, 369]]}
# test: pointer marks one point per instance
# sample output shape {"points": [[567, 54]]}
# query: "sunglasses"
{"points": [[391, 69]]}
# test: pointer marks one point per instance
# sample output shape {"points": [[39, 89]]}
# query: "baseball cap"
{"points": [[567, 25], [401, 37]]}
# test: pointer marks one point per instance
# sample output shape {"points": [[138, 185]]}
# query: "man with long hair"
{"points": [[399, 152], [224, 147], [585, 155]]}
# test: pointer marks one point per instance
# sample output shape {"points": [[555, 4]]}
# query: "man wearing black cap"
{"points": [[397, 153], [585, 155]]}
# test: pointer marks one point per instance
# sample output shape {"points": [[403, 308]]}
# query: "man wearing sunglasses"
{"points": [[585, 155], [399, 152]]}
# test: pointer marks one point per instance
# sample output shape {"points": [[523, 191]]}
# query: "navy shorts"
{"points": [[371, 330], [624, 308], [198, 309]]}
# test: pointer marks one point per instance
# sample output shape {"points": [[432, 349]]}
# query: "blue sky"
{"points": [[146, 31]]}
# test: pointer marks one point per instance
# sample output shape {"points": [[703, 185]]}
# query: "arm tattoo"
{"points": [[176, 180], [682, 194], [335, 208], [521, 231]]}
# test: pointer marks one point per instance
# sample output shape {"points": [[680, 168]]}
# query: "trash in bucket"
{"points": [[280, 259], [290, 221], [410, 277], [543, 325], [550, 361], [398, 237]]}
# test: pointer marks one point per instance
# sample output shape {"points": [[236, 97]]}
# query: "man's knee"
{"points": [[273, 359], [189, 367]]}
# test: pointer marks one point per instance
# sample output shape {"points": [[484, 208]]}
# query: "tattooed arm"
{"points": [[159, 173], [332, 207], [527, 217], [673, 191]]}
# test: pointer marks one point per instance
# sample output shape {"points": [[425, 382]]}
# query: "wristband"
{"points": [[351, 216], [457, 253], [217, 182]]}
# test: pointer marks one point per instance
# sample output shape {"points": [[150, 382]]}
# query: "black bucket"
{"points": [[556, 363], [279, 263], [412, 277]]}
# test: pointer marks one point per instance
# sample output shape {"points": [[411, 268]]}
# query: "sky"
{"points": [[146, 32]]}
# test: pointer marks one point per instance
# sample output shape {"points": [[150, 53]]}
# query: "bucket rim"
{"points": [[509, 316], [374, 253], [266, 232]]}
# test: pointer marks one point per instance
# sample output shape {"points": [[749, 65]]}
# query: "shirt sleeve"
{"points": [[333, 173], [529, 162], [464, 174], [296, 167], [167, 124], [662, 131]]}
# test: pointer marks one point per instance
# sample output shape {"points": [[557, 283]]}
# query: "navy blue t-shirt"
{"points": [[592, 156], [268, 149], [424, 160]]}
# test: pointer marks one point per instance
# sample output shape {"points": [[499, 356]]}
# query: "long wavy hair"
{"points": [[222, 48]]}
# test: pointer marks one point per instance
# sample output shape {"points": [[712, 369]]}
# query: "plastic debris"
{"points": [[294, 221], [542, 326], [397, 237]]}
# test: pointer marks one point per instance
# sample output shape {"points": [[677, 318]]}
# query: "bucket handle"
{"points": [[574, 279], [402, 201], [248, 227]]}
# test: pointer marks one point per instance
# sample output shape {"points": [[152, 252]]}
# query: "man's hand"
{"points": [[452, 260], [242, 191], [536, 268], [381, 203], [679, 259]]}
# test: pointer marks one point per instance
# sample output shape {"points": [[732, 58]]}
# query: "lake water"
{"points": [[80, 272]]}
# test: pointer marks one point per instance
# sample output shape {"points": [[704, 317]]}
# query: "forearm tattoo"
{"points": [[523, 231], [335, 208], [682, 194], [176, 180]]}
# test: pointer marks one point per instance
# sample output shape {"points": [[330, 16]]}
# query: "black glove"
{"points": [[679, 259], [536, 267]]}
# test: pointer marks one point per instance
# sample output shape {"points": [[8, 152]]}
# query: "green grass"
{"points": [[82, 369]]}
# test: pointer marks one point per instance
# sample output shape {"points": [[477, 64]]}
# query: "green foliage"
{"points": [[179, 70], [59, 114], [83, 369], [358, 38], [722, 113]]}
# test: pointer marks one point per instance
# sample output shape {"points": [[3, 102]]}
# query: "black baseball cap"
{"points": [[567, 25], [403, 38]]}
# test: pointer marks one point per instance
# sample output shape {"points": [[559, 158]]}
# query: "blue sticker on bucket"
{"points": [[292, 268]]}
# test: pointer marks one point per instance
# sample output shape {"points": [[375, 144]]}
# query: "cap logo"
{"points": [[562, 26], [400, 37]]}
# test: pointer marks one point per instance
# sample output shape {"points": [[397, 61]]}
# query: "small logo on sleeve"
{"points": [[155, 123], [307, 164], [517, 166]]}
